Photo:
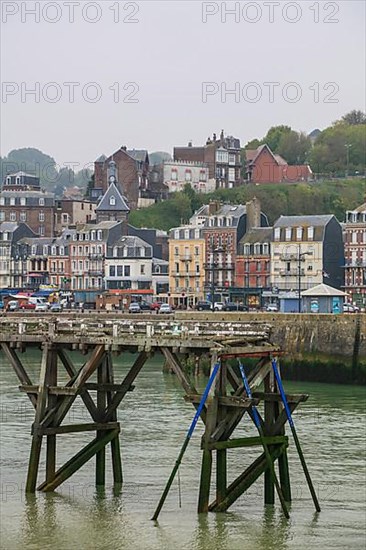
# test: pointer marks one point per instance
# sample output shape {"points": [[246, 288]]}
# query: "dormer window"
{"points": [[299, 233], [288, 234], [112, 201], [277, 233], [41, 201], [34, 250], [310, 233]]}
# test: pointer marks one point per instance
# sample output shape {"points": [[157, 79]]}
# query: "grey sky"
{"points": [[168, 53]]}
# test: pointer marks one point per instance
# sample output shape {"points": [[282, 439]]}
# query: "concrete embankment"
{"points": [[323, 348]]}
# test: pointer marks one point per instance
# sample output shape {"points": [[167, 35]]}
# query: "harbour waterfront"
{"points": [[154, 420]]}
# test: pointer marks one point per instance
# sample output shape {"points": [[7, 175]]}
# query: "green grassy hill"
{"points": [[328, 197]]}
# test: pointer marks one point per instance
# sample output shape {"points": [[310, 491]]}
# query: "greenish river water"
{"points": [[154, 420]]}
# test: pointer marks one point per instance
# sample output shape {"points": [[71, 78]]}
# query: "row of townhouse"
{"points": [[87, 260], [240, 258], [225, 249]]}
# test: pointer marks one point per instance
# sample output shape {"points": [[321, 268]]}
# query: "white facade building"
{"points": [[177, 173]]}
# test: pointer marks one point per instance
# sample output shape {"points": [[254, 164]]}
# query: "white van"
{"points": [[37, 300]]}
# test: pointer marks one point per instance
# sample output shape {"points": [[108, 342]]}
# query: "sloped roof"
{"points": [[323, 290], [257, 235], [281, 161], [131, 241], [253, 154], [319, 220], [120, 202], [102, 158], [138, 154], [21, 173], [8, 226]]}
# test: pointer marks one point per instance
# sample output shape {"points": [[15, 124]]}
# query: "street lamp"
{"points": [[212, 269], [300, 256], [348, 145]]}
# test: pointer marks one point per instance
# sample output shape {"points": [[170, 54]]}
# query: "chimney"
{"points": [[213, 207], [190, 143], [253, 208], [214, 138], [124, 148]]}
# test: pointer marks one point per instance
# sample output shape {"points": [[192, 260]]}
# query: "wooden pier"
{"points": [[102, 336]]}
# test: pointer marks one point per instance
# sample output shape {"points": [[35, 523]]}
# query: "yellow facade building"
{"points": [[186, 266]]}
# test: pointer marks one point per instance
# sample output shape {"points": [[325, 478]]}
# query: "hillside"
{"points": [[328, 197]]}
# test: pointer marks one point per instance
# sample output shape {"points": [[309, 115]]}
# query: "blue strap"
{"points": [[282, 392], [249, 394], [203, 399]]}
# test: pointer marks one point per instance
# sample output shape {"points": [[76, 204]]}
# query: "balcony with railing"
{"points": [[219, 266], [186, 257], [292, 272]]}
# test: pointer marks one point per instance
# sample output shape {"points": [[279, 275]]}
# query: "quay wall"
{"points": [[302, 334]]}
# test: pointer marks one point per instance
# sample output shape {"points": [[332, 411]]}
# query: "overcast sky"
{"points": [[157, 74]]}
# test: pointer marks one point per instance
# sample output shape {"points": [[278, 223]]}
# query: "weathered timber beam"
{"points": [[291, 398], [37, 438], [72, 372], [226, 427], [19, 369], [249, 351], [281, 420], [78, 460], [66, 390], [173, 362], [226, 401], [248, 442], [75, 428], [233, 378], [64, 405], [125, 385], [115, 445], [108, 387], [245, 480]]}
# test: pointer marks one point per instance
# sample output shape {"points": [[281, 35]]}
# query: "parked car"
{"points": [[204, 306], [165, 308], [234, 306], [88, 305], [56, 307], [272, 307], [28, 305], [134, 307], [144, 306], [350, 308], [13, 305], [43, 306], [219, 306], [155, 306]]}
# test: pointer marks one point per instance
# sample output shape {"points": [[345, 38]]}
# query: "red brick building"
{"points": [[132, 172], [222, 156], [253, 260], [263, 166]]}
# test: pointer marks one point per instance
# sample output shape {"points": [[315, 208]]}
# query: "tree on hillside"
{"points": [[274, 135], [34, 162], [294, 147], [253, 144], [354, 118]]}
